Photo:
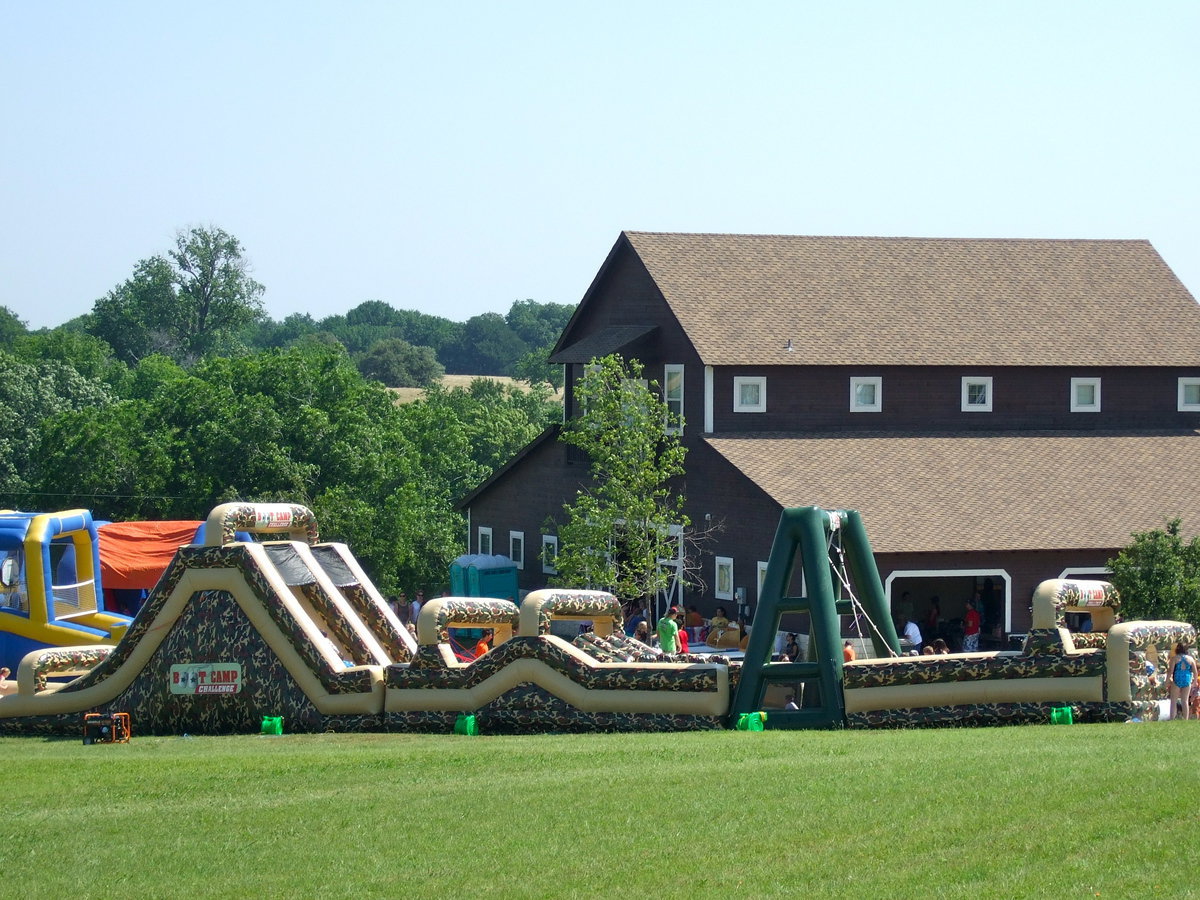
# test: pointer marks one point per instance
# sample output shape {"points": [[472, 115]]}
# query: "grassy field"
{"points": [[1036, 811], [407, 395]]}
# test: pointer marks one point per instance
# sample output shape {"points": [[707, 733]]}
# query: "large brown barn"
{"points": [[999, 411]]}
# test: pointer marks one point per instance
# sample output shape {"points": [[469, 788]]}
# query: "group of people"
{"points": [[676, 628], [407, 610]]}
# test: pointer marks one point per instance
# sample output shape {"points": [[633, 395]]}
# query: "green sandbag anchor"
{"points": [[1061, 715], [751, 721], [466, 724], [272, 725]]}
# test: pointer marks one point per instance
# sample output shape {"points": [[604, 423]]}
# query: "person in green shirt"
{"points": [[668, 631]]}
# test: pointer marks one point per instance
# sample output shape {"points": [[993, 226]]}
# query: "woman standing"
{"points": [[1181, 673]]}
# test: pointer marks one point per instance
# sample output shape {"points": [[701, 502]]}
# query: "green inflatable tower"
{"points": [[830, 542]]}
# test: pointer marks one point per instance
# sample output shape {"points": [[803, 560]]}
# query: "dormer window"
{"points": [[673, 397], [866, 394], [977, 393], [749, 394], [1189, 394], [1085, 395]]}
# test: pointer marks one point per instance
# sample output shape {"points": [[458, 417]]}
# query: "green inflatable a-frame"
{"points": [[816, 533]]}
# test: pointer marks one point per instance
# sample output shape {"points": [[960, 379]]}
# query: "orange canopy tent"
{"points": [[134, 554]]}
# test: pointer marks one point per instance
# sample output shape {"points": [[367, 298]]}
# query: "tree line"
{"points": [[175, 393], [199, 298]]}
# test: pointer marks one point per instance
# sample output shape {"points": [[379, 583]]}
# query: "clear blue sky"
{"points": [[456, 157]]}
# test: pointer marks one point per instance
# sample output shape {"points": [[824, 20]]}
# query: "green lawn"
{"points": [[1036, 811]]}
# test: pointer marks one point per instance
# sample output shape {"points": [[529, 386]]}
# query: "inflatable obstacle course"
{"points": [[290, 628]]}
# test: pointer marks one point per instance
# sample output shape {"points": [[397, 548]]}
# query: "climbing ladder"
{"points": [[813, 531]]}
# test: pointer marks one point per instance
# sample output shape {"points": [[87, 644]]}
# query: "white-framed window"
{"points": [[516, 548], [723, 580], [484, 541], [549, 554], [977, 393], [866, 393], [762, 576], [673, 397], [749, 393], [1085, 395], [1189, 394]]}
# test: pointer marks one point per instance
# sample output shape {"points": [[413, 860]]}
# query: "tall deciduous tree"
{"points": [[618, 528], [1158, 575], [216, 293]]}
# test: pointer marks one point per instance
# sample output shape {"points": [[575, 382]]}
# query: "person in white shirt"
{"points": [[910, 632]]}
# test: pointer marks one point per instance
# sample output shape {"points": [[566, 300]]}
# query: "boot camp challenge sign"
{"points": [[206, 678]]}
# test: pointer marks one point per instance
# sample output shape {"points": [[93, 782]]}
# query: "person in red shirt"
{"points": [[482, 647], [971, 624]]}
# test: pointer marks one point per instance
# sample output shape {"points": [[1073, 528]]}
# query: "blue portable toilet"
{"points": [[484, 575]]}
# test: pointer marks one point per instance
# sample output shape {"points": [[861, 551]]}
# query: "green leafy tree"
{"points": [[618, 528], [88, 355], [30, 395], [194, 301], [135, 318], [397, 363], [216, 295], [487, 347], [538, 324], [535, 368], [11, 327], [1158, 575]]}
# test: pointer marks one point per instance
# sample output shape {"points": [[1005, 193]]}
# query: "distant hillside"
{"points": [[407, 395]]}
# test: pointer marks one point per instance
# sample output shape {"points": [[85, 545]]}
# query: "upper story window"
{"points": [[749, 394], [866, 394], [516, 548], [549, 554], [1085, 395], [977, 393], [673, 397], [485, 540], [1189, 394]]}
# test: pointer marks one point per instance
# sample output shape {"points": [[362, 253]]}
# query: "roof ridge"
{"points": [[883, 238]]}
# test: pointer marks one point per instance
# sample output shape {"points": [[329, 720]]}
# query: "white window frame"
{"points": [[723, 564], [549, 541], [761, 577], [484, 532], [857, 381], [1075, 571], [740, 381], [970, 381], [674, 404], [1185, 383], [1076, 405], [516, 548], [956, 573]]}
